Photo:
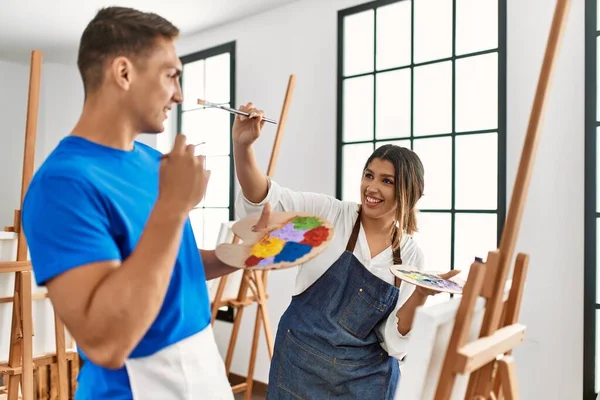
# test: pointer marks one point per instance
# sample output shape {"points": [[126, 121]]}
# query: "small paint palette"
{"points": [[290, 239], [427, 280]]}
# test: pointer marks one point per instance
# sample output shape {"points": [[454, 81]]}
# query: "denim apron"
{"points": [[327, 342]]}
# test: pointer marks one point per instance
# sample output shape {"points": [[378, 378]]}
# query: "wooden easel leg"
{"points": [[61, 359], [218, 296], [513, 304], [16, 334], [242, 296], [264, 312], [459, 333], [508, 375], [27, 314], [255, 338]]}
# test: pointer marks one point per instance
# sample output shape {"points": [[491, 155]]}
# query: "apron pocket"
{"points": [[361, 314], [303, 372]]}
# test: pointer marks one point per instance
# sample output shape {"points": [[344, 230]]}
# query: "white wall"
{"points": [[550, 363], [301, 38]]}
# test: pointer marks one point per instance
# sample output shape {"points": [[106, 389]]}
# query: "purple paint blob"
{"points": [[266, 261], [289, 233]]}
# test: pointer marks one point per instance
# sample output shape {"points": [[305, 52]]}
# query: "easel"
{"points": [[21, 363], [488, 360], [256, 281]]}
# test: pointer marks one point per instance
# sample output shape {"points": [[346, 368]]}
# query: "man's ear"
{"points": [[122, 72]]}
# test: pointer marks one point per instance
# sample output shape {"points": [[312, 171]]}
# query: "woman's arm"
{"points": [[256, 189]]}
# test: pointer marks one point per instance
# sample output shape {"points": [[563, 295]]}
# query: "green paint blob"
{"points": [[306, 222]]}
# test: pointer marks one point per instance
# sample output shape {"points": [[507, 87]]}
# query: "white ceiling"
{"points": [[55, 26]]}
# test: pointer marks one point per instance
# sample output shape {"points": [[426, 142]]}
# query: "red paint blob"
{"points": [[316, 236], [252, 261]]}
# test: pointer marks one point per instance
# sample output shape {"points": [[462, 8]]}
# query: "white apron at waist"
{"points": [[191, 369]]}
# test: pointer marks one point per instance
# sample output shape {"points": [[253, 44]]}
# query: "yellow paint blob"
{"points": [[268, 247]]}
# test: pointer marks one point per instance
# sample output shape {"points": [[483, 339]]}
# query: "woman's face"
{"points": [[378, 189]]}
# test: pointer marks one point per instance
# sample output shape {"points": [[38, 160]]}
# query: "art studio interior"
{"points": [[300, 199]]}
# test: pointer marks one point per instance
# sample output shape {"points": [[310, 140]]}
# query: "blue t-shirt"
{"points": [[89, 203]]}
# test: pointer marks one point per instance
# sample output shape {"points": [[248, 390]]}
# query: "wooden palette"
{"points": [[290, 239], [428, 280]]}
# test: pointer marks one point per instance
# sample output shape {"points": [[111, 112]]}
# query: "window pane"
{"points": [[393, 35], [393, 104], [598, 170], [477, 93], [436, 156], [433, 238], [209, 125], [401, 143], [598, 14], [433, 30], [193, 84], [433, 99], [598, 261], [359, 43], [597, 364], [358, 109], [354, 158], [476, 25], [217, 193], [476, 172], [213, 217], [197, 222], [216, 132], [597, 77], [475, 236], [193, 125], [218, 78]]}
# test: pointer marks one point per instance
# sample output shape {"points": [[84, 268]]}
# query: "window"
{"points": [[430, 76], [210, 75], [591, 345]]}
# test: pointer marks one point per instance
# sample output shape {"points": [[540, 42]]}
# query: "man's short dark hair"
{"points": [[118, 31]]}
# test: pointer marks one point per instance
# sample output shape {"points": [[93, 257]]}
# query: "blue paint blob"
{"points": [[292, 251]]}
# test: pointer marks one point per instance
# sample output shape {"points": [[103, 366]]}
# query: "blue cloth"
{"points": [[327, 345], [89, 203]]}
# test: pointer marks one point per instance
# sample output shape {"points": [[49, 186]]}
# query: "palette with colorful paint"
{"points": [[289, 239], [427, 280]]}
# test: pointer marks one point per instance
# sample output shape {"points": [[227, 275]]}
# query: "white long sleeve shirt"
{"points": [[343, 215]]}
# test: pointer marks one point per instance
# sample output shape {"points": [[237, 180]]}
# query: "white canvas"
{"points": [[428, 342]]}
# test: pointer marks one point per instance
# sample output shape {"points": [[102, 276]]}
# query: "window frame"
{"points": [[501, 128], [201, 55], [226, 315], [590, 302]]}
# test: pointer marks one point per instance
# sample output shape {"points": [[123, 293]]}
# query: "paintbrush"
{"points": [[167, 155], [231, 110]]}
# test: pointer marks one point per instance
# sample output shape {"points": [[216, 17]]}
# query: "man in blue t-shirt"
{"points": [[106, 220]]}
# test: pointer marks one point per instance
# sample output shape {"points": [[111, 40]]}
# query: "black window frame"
{"points": [[591, 304], [227, 314], [501, 127]]}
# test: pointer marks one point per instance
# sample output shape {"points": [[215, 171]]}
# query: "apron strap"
{"points": [[354, 237]]}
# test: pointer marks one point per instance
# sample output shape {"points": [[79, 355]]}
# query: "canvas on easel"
{"points": [[463, 349], [253, 283], [22, 366]]}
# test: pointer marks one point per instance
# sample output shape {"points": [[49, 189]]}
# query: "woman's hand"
{"points": [[432, 292], [247, 129]]}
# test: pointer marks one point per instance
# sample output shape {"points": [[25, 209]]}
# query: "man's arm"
{"points": [[108, 303], [109, 306], [213, 267]]}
